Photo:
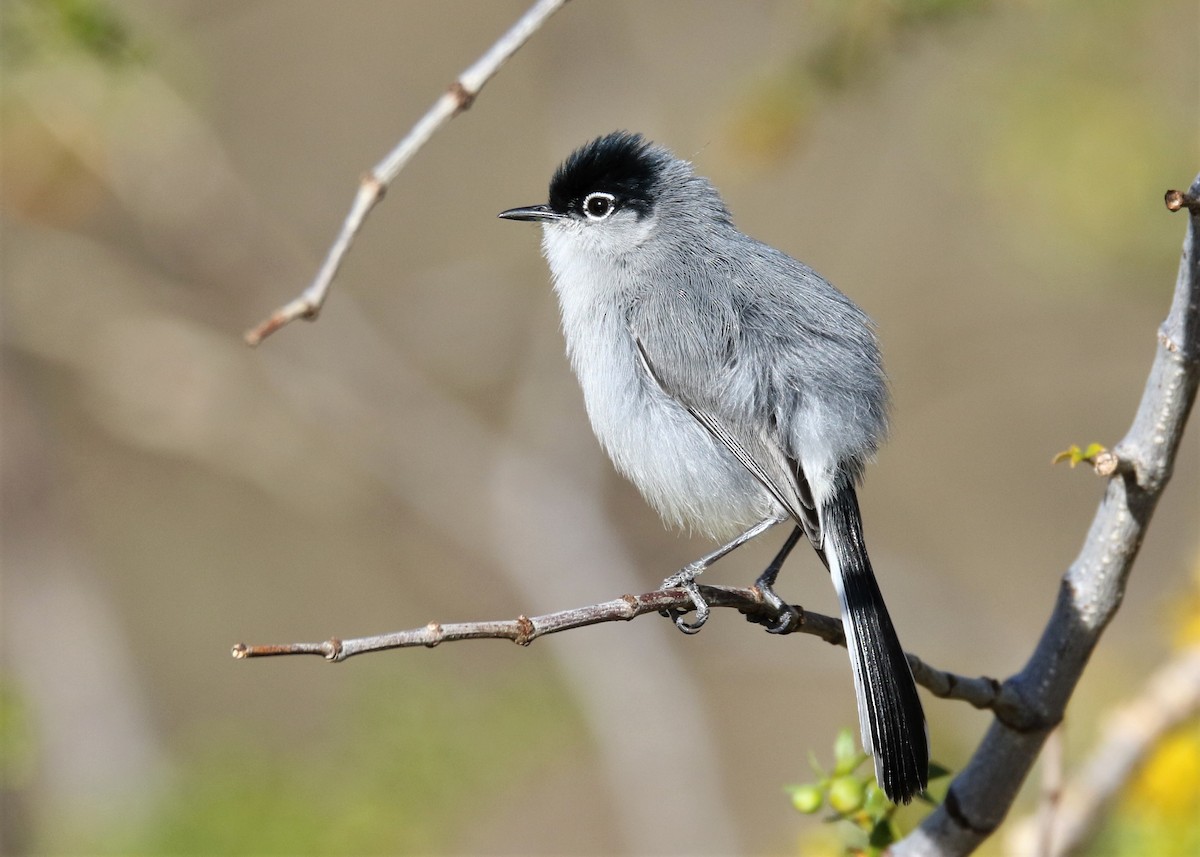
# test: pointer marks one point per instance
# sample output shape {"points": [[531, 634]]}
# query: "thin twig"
{"points": [[457, 98], [524, 630], [1052, 788], [983, 692], [980, 692]]}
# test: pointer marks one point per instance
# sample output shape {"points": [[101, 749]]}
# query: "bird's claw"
{"points": [[789, 620], [686, 580], [786, 618]]}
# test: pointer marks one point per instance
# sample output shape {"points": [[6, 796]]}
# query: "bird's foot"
{"points": [[786, 618], [685, 579]]}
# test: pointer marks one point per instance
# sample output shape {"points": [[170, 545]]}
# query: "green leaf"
{"points": [[877, 803], [882, 834], [1073, 455], [816, 766], [846, 754], [936, 771]]}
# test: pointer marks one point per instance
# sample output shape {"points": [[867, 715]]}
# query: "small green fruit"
{"points": [[807, 799], [847, 794]]}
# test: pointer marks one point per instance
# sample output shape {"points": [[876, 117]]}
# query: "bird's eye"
{"points": [[599, 205]]}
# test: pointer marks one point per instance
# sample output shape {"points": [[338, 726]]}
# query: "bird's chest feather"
{"points": [[651, 437]]}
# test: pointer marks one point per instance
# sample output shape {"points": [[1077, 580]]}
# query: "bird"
{"points": [[737, 389]]}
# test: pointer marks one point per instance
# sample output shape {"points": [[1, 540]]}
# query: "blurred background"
{"points": [[986, 179]]}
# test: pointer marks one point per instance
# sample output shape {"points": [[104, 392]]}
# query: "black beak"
{"points": [[532, 212]]}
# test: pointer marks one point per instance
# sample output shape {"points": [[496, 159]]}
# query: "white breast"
{"points": [[679, 468]]}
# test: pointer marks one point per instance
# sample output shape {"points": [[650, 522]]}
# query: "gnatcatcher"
{"points": [[737, 389]]}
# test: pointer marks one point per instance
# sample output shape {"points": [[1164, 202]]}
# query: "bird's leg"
{"points": [[685, 578], [786, 616]]}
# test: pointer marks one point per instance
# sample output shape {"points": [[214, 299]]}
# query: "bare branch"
{"points": [[524, 630], [1052, 789], [980, 692], [1092, 588], [457, 98]]}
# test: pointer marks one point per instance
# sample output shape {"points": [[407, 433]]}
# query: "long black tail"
{"points": [[889, 710]]}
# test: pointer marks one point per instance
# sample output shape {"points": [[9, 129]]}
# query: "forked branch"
{"points": [[1092, 588]]}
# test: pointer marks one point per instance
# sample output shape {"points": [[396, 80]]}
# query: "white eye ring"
{"points": [[599, 205]]}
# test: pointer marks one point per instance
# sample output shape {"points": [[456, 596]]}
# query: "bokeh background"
{"points": [[984, 178]]}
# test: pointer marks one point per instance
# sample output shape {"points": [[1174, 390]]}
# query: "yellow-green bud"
{"points": [[807, 799]]}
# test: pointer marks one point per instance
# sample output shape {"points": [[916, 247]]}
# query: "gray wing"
{"points": [[780, 474]]}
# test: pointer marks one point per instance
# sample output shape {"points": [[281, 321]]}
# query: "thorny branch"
{"points": [[457, 98]]}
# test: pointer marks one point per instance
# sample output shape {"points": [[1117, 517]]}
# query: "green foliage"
{"points": [[866, 817], [1073, 455], [1080, 112], [858, 36], [847, 794], [807, 798], [1066, 150], [33, 28], [17, 737], [853, 42], [401, 763]]}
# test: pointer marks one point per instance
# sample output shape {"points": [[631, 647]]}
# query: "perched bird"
{"points": [[737, 389]]}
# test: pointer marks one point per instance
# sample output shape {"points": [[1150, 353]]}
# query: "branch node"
{"points": [[1107, 463], [299, 308], [525, 631], [333, 649], [1179, 349], [955, 810], [1177, 199], [801, 616], [1016, 712], [463, 97], [436, 634], [374, 184]]}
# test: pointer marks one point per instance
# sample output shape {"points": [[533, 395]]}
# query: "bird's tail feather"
{"points": [[889, 710]]}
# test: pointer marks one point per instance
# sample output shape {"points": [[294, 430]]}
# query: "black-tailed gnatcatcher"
{"points": [[737, 389]]}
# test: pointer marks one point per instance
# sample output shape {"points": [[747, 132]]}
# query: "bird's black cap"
{"points": [[624, 164]]}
